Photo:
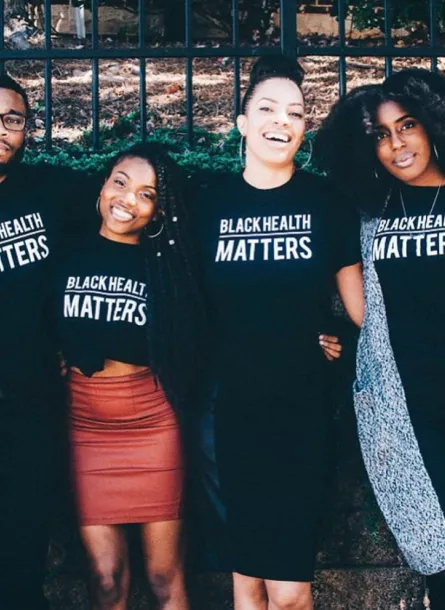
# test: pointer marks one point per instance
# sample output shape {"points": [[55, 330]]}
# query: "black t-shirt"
{"points": [[409, 256], [270, 257], [38, 206], [102, 304]]}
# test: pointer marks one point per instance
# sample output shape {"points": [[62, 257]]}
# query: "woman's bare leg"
{"points": [[249, 593], [108, 555], [289, 595], [164, 563]]}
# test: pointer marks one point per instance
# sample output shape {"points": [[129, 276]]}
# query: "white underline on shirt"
{"points": [[235, 235], [410, 231], [108, 294], [24, 236]]}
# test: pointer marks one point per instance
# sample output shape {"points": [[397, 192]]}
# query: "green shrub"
{"points": [[402, 13], [210, 152]]}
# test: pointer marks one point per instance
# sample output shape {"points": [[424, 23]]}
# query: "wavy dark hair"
{"points": [[176, 327], [345, 143], [265, 68]]}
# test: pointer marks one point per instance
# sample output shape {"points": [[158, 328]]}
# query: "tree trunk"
{"points": [[174, 19]]}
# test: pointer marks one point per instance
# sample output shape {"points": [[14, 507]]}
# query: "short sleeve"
{"points": [[74, 195], [198, 194], [345, 233]]}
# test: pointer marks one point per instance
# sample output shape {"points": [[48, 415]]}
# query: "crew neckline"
{"points": [[268, 190], [115, 242]]}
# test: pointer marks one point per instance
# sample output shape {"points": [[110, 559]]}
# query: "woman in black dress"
{"points": [[273, 239], [385, 145]]}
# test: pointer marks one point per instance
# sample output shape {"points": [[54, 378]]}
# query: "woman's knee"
{"points": [[108, 581], [286, 599], [163, 582], [251, 590]]}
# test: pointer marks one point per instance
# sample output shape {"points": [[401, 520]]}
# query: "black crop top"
{"points": [[101, 296]]}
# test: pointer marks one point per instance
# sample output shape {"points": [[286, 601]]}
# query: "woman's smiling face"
{"points": [[128, 200], [273, 123], [403, 146]]}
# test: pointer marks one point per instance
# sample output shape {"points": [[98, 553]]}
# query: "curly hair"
{"points": [[176, 311], [345, 143], [344, 146], [266, 68]]}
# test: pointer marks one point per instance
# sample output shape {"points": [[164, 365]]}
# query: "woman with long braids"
{"points": [[129, 315], [273, 240], [385, 147]]}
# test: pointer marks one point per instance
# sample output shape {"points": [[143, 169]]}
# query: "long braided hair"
{"points": [[176, 328]]}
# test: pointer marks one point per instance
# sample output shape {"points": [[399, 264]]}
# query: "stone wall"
{"points": [[113, 21]]}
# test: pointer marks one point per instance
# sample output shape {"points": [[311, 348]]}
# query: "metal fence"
{"points": [[288, 46]]}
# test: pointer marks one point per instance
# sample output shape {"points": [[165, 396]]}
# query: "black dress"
{"points": [[409, 256], [270, 257]]}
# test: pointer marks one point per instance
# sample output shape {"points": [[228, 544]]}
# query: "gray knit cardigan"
{"points": [[390, 450]]}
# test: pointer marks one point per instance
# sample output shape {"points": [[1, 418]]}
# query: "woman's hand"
{"points": [[330, 346], [63, 370]]}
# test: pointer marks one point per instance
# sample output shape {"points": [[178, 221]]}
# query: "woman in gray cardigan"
{"points": [[384, 145]]}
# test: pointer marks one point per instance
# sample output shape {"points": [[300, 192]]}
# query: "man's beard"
{"points": [[6, 168]]}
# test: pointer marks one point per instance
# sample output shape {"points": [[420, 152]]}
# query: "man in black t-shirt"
{"points": [[37, 206]]}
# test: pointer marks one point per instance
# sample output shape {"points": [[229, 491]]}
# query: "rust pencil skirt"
{"points": [[126, 450]]}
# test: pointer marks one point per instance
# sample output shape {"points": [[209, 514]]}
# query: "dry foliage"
{"points": [[213, 90]]}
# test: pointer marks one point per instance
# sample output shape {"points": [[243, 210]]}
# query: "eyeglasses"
{"points": [[13, 122]]}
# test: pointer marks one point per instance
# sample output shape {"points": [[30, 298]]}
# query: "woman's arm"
{"points": [[350, 288]]}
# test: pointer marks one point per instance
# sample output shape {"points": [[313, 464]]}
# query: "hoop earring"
{"points": [[436, 154], [98, 207], [308, 160], [154, 235], [376, 175], [242, 157]]}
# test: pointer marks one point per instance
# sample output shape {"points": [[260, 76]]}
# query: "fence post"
{"points": [[288, 24], [2, 35]]}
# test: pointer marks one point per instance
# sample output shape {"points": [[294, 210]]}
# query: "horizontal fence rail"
{"points": [[289, 46]]}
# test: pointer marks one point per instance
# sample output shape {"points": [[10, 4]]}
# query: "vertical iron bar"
{"points": [[143, 97], [433, 33], [94, 25], [2, 25], [2, 34], [95, 74], [48, 105], [342, 47], [142, 23], [236, 59], [288, 26], [48, 84], [47, 26], [189, 71], [95, 102], [388, 37], [142, 73]]}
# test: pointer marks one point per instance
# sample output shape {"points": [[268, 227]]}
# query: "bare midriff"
{"points": [[114, 368]]}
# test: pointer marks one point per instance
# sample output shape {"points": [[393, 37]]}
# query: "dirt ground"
{"points": [[213, 90]]}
